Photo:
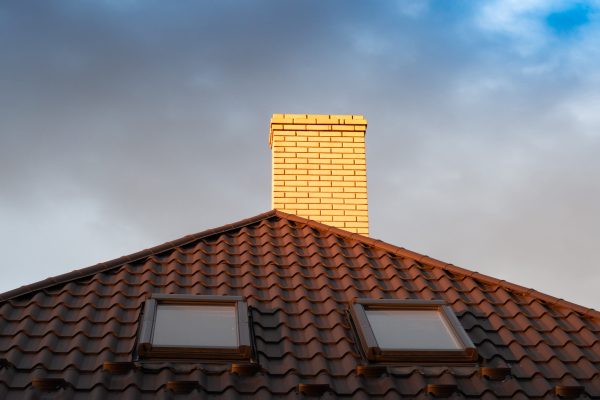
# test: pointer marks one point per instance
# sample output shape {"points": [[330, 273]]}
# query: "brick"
{"points": [[295, 183], [307, 133], [353, 145], [333, 189], [320, 206], [294, 160], [342, 183], [342, 160], [299, 206], [332, 133], [294, 127], [284, 178], [344, 218], [331, 167], [354, 190], [317, 138], [309, 200], [347, 121], [330, 145], [354, 134], [296, 194], [357, 213], [331, 177], [310, 213], [320, 127], [295, 139], [307, 177], [318, 183], [342, 128], [329, 155], [333, 212], [346, 207], [354, 156], [294, 171], [284, 133], [354, 201], [321, 195], [343, 139], [344, 195], [308, 155], [296, 149], [353, 178], [341, 116], [310, 144]]}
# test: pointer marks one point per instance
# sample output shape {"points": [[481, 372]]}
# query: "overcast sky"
{"points": [[125, 124]]}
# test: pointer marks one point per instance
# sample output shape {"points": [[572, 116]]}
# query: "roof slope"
{"points": [[298, 277]]}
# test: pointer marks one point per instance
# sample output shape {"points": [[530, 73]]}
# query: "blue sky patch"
{"points": [[568, 20]]}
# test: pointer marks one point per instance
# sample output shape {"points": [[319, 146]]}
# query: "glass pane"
{"points": [[412, 330], [195, 326]]}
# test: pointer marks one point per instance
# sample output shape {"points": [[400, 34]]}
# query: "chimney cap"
{"points": [[303, 122]]}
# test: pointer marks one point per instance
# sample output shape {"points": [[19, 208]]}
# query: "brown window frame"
{"points": [[148, 350], [368, 341]]}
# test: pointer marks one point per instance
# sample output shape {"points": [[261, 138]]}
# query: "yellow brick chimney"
{"points": [[319, 168]]}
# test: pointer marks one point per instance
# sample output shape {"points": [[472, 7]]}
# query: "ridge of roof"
{"points": [[106, 265], [400, 251]]}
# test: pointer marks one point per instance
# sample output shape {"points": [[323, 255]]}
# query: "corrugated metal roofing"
{"points": [[298, 277]]}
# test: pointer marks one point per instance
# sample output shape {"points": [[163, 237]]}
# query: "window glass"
{"points": [[195, 326], [411, 329]]}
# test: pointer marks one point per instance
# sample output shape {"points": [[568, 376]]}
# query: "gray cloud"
{"points": [[126, 124]]}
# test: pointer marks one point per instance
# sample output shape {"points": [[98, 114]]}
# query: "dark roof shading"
{"points": [[74, 336]]}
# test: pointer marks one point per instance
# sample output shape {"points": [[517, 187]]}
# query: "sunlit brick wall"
{"points": [[319, 168]]}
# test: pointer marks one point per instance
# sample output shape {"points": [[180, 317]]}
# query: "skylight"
{"points": [[188, 326], [412, 331]]}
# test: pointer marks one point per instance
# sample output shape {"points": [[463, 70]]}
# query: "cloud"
{"points": [[533, 25], [126, 125]]}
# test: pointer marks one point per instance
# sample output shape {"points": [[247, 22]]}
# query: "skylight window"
{"points": [[188, 326], [411, 331]]}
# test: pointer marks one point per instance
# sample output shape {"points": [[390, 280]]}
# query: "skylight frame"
{"points": [[467, 354], [148, 350]]}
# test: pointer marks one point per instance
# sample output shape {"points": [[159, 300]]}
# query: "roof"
{"points": [[298, 277]]}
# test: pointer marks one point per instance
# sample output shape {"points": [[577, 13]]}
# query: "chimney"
{"points": [[319, 168]]}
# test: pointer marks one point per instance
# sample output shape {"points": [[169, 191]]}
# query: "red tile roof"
{"points": [[74, 335]]}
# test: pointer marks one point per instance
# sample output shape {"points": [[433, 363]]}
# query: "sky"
{"points": [[125, 124]]}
